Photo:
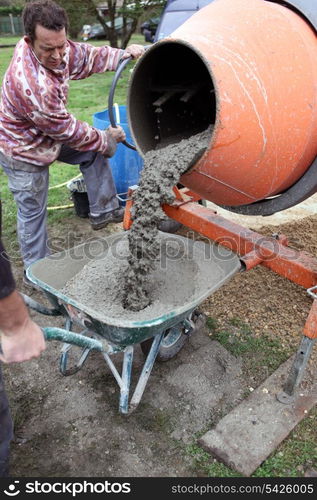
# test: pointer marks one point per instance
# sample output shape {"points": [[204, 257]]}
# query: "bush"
{"points": [[16, 11]]}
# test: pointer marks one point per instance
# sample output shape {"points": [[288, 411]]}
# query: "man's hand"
{"points": [[26, 343], [21, 339], [117, 133], [135, 51], [114, 135]]}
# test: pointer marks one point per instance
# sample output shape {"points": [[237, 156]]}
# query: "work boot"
{"points": [[100, 221]]}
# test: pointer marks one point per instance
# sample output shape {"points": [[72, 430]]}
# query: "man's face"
{"points": [[49, 46]]}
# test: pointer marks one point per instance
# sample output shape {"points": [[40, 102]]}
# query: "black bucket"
{"points": [[81, 204]]}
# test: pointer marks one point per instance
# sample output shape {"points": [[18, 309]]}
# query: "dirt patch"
{"points": [[269, 303], [70, 426]]}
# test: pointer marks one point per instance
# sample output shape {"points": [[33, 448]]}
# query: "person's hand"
{"points": [[135, 51], [25, 343], [20, 338], [114, 135], [117, 133]]}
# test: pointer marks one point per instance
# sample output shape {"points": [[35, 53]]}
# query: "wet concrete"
{"points": [[185, 272], [100, 284], [161, 172]]}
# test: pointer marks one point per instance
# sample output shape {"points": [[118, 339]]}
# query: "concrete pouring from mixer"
{"points": [[170, 282], [134, 278], [161, 172]]}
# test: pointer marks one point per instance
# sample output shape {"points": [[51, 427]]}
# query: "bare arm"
{"points": [[21, 338]]}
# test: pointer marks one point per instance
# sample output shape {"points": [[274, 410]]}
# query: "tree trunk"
{"points": [[127, 33]]}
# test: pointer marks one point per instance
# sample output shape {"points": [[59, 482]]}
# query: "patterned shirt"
{"points": [[34, 121]]}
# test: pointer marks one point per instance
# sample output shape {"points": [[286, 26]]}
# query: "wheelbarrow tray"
{"points": [[215, 265]]}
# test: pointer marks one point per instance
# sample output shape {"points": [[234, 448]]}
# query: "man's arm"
{"points": [[85, 59], [21, 339], [46, 109], [54, 121]]}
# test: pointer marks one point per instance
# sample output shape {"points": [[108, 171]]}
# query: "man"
{"points": [[20, 339], [36, 129]]}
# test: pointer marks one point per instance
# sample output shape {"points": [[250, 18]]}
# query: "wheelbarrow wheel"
{"points": [[173, 341]]}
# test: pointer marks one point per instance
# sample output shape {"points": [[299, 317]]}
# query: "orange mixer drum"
{"points": [[247, 69]]}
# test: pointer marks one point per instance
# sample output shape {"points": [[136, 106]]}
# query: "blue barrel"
{"points": [[126, 164]]}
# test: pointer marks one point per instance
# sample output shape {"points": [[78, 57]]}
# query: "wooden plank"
{"points": [[247, 435]]}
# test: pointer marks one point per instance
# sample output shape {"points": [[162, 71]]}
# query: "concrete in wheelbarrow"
{"points": [[247, 435]]}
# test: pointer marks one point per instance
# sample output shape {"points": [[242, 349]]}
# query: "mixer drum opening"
{"points": [[171, 96]]}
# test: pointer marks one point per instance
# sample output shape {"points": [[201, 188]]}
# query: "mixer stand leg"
{"points": [[297, 370]]}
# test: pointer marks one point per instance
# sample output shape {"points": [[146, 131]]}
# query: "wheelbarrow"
{"points": [[160, 336]]}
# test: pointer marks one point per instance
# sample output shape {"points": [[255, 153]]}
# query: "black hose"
{"points": [[122, 64]]}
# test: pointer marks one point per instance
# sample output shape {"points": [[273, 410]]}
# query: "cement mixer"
{"points": [[230, 65], [248, 69]]}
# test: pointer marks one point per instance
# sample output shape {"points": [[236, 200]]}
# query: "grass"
{"points": [[205, 465], [296, 453], [86, 97], [292, 457], [9, 40], [239, 340]]}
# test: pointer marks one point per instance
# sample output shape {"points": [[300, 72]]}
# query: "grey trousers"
{"points": [[30, 190], [6, 431]]}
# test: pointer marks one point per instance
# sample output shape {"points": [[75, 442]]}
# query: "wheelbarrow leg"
{"points": [[124, 380], [297, 371], [146, 371], [68, 324]]}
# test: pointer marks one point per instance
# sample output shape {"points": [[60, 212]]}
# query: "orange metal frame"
{"points": [[252, 248]]}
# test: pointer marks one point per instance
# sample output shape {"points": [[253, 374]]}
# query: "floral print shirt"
{"points": [[34, 121]]}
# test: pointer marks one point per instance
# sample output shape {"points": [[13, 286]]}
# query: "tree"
{"points": [[79, 12], [82, 12], [128, 11]]}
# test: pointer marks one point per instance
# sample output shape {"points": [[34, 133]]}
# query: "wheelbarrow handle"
{"points": [[52, 333]]}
